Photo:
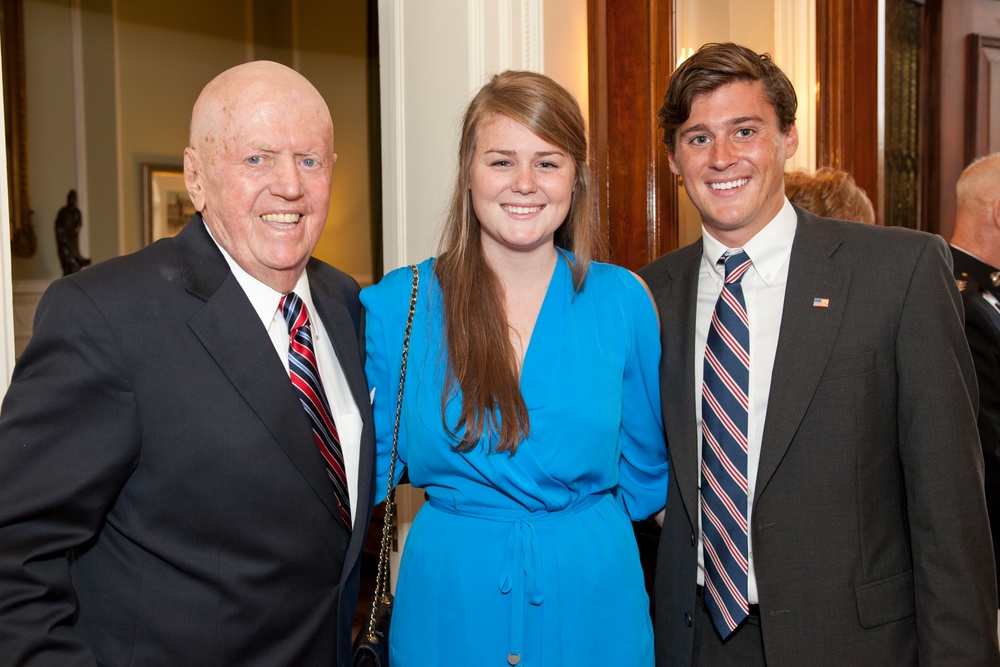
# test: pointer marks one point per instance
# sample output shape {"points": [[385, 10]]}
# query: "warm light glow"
{"points": [[684, 55]]}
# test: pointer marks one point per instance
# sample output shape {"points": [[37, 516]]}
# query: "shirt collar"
{"points": [[768, 249], [262, 297], [973, 256]]}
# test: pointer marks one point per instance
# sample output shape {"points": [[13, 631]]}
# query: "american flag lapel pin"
{"points": [[820, 302]]}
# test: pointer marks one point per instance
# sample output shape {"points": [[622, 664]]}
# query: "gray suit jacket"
{"points": [[871, 542], [151, 431]]}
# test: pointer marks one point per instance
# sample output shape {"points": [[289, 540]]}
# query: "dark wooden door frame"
{"points": [[631, 54], [847, 110]]}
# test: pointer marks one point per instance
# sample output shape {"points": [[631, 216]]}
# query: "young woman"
{"points": [[531, 412]]}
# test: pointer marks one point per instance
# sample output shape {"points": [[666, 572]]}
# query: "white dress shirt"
{"points": [[764, 292], [345, 415]]}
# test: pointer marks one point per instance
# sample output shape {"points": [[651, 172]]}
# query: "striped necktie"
{"points": [[724, 452], [304, 373]]}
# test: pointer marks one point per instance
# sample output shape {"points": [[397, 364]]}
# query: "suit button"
{"points": [[687, 619], [693, 541]]}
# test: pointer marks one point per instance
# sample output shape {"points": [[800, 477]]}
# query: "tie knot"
{"points": [[737, 263], [293, 309]]}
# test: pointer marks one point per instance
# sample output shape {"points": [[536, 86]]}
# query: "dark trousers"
{"points": [[743, 648]]}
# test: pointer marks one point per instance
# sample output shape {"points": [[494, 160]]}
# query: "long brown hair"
{"points": [[481, 360]]}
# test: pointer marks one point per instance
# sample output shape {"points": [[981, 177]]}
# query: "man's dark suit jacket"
{"points": [[982, 329], [870, 537], [152, 431]]}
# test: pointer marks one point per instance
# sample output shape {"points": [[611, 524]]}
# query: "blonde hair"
{"points": [[829, 193]]}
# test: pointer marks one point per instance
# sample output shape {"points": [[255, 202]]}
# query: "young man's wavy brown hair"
{"points": [[714, 66]]}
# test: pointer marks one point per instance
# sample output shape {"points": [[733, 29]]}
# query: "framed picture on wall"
{"points": [[165, 201]]}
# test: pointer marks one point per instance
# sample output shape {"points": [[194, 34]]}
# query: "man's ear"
{"points": [[193, 176], [791, 141]]}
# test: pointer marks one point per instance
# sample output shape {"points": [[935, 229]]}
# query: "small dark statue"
{"points": [[68, 223]]}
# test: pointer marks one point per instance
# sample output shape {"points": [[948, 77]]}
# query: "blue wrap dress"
{"points": [[529, 558]]}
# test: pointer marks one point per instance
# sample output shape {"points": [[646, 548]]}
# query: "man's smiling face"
{"points": [[260, 173], [731, 154]]}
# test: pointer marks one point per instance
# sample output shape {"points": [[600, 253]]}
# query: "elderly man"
{"points": [[825, 503], [975, 248], [184, 479]]}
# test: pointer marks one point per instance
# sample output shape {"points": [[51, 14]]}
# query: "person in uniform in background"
{"points": [[975, 249]]}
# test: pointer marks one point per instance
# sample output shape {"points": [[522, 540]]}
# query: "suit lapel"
{"points": [[678, 305], [232, 334], [806, 337]]}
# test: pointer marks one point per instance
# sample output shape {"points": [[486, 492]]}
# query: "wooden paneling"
{"points": [[631, 53], [847, 114], [982, 130], [948, 131]]}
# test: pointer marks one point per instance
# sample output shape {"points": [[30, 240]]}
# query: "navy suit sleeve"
{"points": [[68, 442]]}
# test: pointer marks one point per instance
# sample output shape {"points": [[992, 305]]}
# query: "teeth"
{"points": [[280, 217], [522, 210], [729, 185]]}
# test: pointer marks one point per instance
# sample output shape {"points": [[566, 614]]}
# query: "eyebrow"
{"points": [[503, 151], [746, 119], [695, 129], [702, 128]]}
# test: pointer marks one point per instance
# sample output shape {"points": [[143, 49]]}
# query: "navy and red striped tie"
{"points": [[724, 410], [304, 373]]}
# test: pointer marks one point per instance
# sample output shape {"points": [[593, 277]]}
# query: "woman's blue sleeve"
{"points": [[386, 305], [643, 466]]}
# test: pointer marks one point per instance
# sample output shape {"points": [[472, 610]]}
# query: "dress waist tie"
{"points": [[522, 570], [521, 556]]}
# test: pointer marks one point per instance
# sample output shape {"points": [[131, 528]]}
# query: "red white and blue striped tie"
{"points": [[304, 373], [724, 406]]}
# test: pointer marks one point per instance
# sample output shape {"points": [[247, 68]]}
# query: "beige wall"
{"points": [[749, 22], [161, 70], [99, 143], [565, 48], [332, 54]]}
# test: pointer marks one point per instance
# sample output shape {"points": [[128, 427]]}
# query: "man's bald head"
{"points": [[980, 182], [977, 220], [243, 89]]}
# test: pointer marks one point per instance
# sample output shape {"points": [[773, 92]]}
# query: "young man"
{"points": [[975, 249], [825, 503]]}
